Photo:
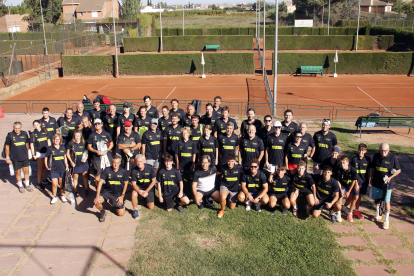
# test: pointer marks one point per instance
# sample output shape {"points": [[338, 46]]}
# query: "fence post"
{"points": [[37, 61], [2, 53]]}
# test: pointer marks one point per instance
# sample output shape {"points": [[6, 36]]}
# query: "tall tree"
{"points": [[130, 9], [52, 9]]}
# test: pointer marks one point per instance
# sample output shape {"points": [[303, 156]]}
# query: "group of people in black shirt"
{"points": [[185, 156]]}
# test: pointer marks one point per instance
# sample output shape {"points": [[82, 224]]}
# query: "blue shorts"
{"points": [[81, 169], [378, 193], [57, 174]]}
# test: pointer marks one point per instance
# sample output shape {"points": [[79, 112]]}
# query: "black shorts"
{"points": [[108, 195], [279, 197], [169, 201], [207, 194], [322, 203], [150, 197], [20, 164], [304, 192], [363, 188]]}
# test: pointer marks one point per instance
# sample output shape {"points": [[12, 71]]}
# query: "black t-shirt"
{"points": [[295, 154], [152, 112], [226, 145], [180, 113], [115, 181], [186, 121], [383, 167], [170, 181], [185, 152], [307, 141], [95, 139], [279, 185], [122, 119], [346, 177], [78, 117], [58, 158], [205, 120], [152, 143], [254, 183], [86, 133], [220, 125], [231, 177], [173, 135], [323, 145], [142, 123], [362, 167], [17, 145], [163, 123], [111, 124], [126, 140], [79, 149], [208, 147], [277, 147], [143, 178], [304, 182], [250, 149], [197, 132], [39, 140], [325, 189], [217, 112], [72, 125], [95, 114], [50, 126], [263, 133], [292, 128], [335, 166], [245, 126]]}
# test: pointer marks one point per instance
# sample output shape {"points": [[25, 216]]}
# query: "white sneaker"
{"points": [[248, 206], [378, 218], [54, 200], [345, 209], [339, 217], [63, 198], [386, 224]]}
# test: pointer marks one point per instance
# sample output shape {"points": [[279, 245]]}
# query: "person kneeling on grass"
{"points": [[279, 187], [302, 184], [203, 184], [254, 187], [348, 180], [326, 193], [116, 179], [229, 187], [143, 182], [170, 186]]}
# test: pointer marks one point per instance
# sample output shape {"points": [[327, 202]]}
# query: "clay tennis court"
{"points": [[347, 91]]}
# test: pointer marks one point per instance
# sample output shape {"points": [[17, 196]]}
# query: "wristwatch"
{"points": [[259, 197]]}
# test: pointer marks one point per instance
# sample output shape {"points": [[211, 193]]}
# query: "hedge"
{"points": [[400, 36], [349, 62], [331, 42], [270, 30], [187, 43], [160, 64]]}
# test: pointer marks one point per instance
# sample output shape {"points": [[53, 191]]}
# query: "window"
{"points": [[94, 14]]}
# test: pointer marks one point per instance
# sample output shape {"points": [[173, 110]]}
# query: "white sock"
{"points": [[378, 207], [295, 207], [387, 215], [20, 184], [136, 208], [27, 182], [338, 213]]}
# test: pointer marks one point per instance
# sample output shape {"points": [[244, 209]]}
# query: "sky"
{"points": [[169, 2]]}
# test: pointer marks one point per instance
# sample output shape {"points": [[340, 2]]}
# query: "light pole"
{"points": [[359, 12], [183, 19], [264, 34], [329, 15], [116, 50], [11, 24], [43, 23], [160, 27], [275, 61], [73, 11]]}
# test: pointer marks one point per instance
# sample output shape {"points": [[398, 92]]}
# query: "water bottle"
{"points": [[11, 168], [84, 156], [72, 199]]}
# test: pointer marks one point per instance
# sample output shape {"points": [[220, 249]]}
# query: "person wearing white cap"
{"points": [[100, 144], [324, 142], [275, 147]]}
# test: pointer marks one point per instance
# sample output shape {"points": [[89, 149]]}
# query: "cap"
{"points": [[97, 121], [154, 121], [128, 123], [127, 105], [277, 124], [95, 100], [326, 121], [336, 149]]}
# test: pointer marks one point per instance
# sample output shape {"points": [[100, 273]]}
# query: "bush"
{"points": [[324, 42], [160, 64], [400, 36], [188, 43], [349, 62]]}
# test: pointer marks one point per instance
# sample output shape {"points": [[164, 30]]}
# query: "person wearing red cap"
{"points": [[129, 143]]}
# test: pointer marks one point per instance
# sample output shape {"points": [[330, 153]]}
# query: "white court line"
{"points": [[376, 101], [166, 98], [98, 90]]}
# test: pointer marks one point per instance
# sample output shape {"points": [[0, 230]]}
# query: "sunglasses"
{"points": [[96, 101], [268, 120], [154, 123], [299, 136], [253, 167]]}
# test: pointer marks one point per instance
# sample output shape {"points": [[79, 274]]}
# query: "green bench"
{"points": [[311, 70], [213, 47], [379, 121], [105, 107]]}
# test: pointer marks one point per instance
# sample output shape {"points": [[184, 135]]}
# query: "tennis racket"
{"points": [[142, 130], [49, 161], [127, 155], [72, 156]]}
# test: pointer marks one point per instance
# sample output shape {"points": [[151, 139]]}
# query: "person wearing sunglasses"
{"points": [[267, 130], [254, 187], [324, 142], [275, 148], [70, 123], [302, 185], [97, 112], [250, 147], [295, 152], [288, 126], [251, 120], [151, 145]]}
